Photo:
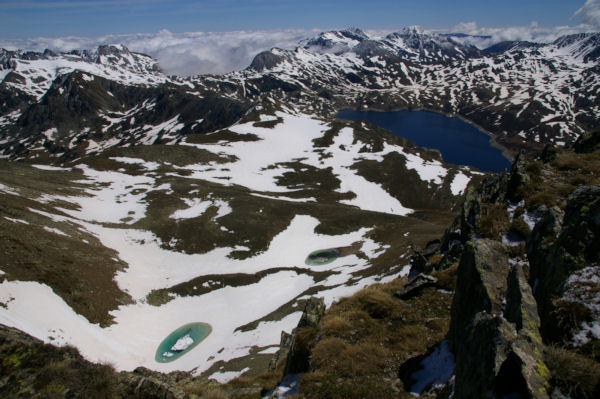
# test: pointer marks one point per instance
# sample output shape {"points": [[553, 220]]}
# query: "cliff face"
{"points": [[528, 276]]}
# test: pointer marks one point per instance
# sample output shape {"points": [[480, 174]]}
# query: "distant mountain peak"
{"points": [[354, 33], [414, 30]]}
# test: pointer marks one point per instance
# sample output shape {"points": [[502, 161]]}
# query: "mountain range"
{"points": [[525, 94]]}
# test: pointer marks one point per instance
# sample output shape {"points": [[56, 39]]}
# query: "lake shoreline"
{"points": [[505, 151]]}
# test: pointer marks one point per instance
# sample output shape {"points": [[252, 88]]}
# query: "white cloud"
{"points": [[589, 13], [533, 33], [193, 53], [181, 53]]}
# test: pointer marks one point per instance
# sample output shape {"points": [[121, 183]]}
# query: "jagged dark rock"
{"points": [[420, 259], [143, 383], [518, 179], [298, 358], [415, 285], [313, 311], [280, 357], [481, 285], [493, 310], [293, 348], [491, 191], [559, 246]]}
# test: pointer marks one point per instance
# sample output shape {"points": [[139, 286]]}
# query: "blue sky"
{"points": [[33, 18]]}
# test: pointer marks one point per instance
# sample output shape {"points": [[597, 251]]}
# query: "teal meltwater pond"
{"points": [[322, 257], [181, 341]]}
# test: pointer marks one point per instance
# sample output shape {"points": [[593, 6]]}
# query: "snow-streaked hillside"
{"points": [[525, 94], [174, 200], [34, 73], [217, 229]]}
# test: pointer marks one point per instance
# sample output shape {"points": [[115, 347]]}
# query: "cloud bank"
{"points": [[194, 53], [589, 13], [483, 37], [184, 54]]}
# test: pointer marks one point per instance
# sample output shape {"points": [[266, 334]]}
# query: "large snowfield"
{"points": [[117, 198]]}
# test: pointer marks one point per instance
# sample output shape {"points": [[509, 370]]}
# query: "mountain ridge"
{"points": [[524, 94]]}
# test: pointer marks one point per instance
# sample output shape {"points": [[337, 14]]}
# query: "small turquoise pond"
{"points": [[322, 257], [181, 341]]}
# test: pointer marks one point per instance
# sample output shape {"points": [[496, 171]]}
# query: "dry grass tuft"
{"points": [[364, 339], [436, 259], [447, 278], [377, 303], [335, 326], [494, 220], [574, 374]]}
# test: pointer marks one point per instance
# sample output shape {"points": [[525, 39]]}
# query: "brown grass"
{"points": [[377, 303], [336, 326], [447, 278], [574, 374], [436, 259], [93, 381], [552, 183], [521, 228], [569, 315], [364, 339], [494, 220]]}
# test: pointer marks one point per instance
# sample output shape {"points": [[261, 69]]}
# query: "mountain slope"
{"points": [[129, 197]]}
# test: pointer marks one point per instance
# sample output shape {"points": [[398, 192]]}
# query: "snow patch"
{"points": [[459, 183], [437, 369]]}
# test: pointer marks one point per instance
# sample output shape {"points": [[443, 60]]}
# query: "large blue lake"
{"points": [[459, 142]]}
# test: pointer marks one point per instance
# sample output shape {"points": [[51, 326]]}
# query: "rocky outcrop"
{"points": [[494, 329], [265, 60], [144, 383], [561, 245], [313, 311], [33, 369], [298, 359], [518, 179], [491, 191], [294, 349], [280, 357], [421, 259], [415, 285]]}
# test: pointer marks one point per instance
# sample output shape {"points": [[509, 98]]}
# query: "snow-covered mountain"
{"points": [[526, 94], [33, 73], [521, 92]]}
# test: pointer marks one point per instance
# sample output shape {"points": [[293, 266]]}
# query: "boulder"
{"points": [[415, 285]]}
